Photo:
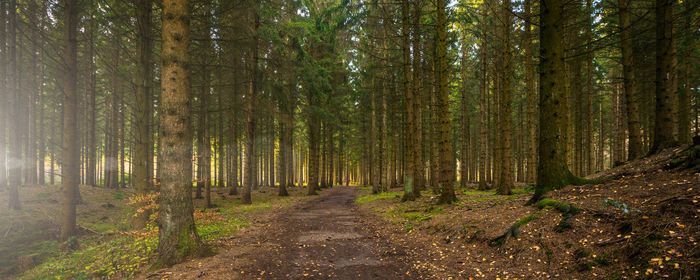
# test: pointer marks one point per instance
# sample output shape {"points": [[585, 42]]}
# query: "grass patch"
{"points": [[415, 216], [373, 197], [117, 254], [101, 227], [525, 190], [475, 192]]}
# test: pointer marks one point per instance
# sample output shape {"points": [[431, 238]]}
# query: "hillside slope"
{"points": [[641, 224]]}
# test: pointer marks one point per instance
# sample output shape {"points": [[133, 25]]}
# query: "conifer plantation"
{"points": [[349, 139]]}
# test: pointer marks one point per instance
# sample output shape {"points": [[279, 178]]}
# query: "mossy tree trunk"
{"points": [[177, 233]]}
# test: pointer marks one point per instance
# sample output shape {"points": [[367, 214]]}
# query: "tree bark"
{"points": [[631, 96], [410, 192], [447, 194], [70, 167], [552, 170], [178, 237], [666, 110], [140, 177], [5, 95], [505, 183], [251, 103]]}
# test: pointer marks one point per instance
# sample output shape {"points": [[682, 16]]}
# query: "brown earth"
{"points": [[323, 238], [652, 236]]}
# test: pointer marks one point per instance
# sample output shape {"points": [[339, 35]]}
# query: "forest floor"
{"points": [[323, 238], [641, 223], [106, 247]]}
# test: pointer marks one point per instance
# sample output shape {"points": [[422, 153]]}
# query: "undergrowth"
{"points": [[117, 254]]}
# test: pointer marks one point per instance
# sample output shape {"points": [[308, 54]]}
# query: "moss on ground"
{"points": [[373, 197], [116, 254]]}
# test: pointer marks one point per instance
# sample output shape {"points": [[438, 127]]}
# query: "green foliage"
{"points": [[620, 205], [120, 257]]}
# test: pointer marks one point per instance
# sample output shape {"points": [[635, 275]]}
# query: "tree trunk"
{"points": [[70, 166], [552, 171], [14, 169], [483, 114], [633, 123], [177, 233], [531, 97], [505, 183], [140, 179], [666, 110], [447, 194], [419, 174], [464, 171], [410, 192], [91, 145], [5, 95], [251, 103]]}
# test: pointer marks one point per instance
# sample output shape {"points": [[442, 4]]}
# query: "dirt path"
{"points": [[323, 238]]}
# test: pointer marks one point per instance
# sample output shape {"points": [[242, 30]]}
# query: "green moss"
{"points": [[578, 181], [525, 220], [526, 190], [415, 216], [563, 207], [373, 197], [476, 192], [513, 231], [121, 255], [101, 227]]}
